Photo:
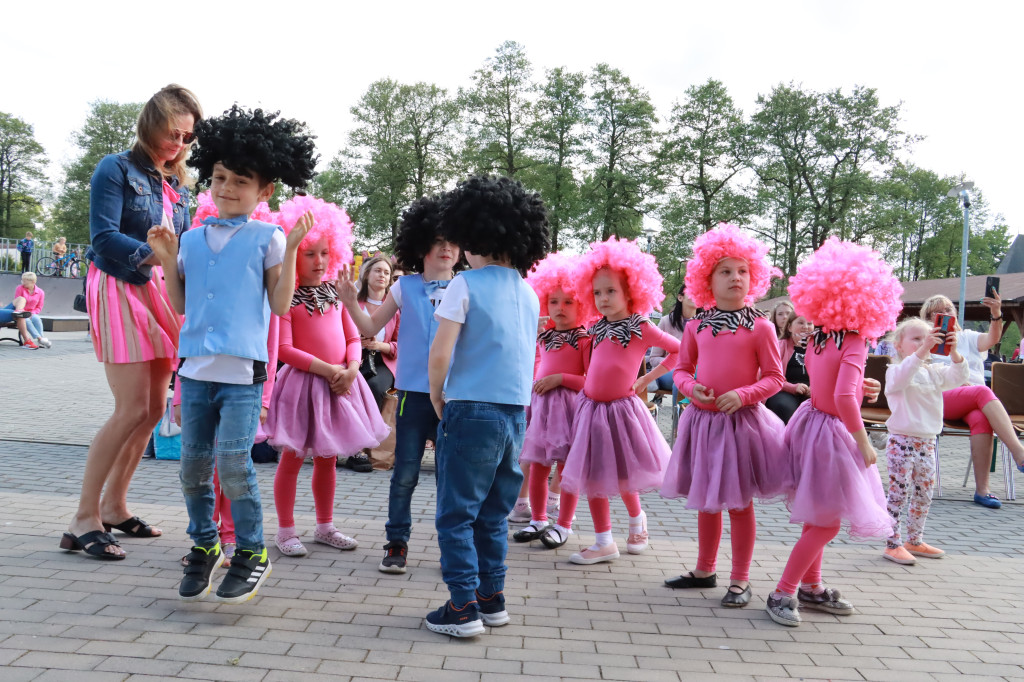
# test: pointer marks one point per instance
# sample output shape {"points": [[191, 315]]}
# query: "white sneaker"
{"points": [[44, 342], [521, 513], [596, 555]]}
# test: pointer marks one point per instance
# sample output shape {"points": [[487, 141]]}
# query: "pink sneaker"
{"points": [[925, 550], [596, 555], [636, 543], [521, 513]]}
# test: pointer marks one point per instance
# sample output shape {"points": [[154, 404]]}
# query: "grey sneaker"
{"points": [[829, 601], [784, 610]]}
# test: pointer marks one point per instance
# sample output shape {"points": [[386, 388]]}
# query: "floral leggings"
{"points": [[911, 463]]}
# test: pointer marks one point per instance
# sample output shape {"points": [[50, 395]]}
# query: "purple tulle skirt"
{"points": [[724, 461], [832, 484], [616, 447], [549, 433], [307, 418]]}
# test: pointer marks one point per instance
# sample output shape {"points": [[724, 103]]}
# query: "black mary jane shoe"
{"points": [[736, 600], [530, 533], [688, 581]]}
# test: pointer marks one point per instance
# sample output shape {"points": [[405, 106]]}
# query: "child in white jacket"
{"points": [[913, 387]]}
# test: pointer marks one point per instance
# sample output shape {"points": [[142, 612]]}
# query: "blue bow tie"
{"points": [[214, 221], [433, 285]]}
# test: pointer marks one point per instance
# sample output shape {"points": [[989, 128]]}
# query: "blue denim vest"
{"points": [[493, 357], [125, 201], [415, 334], [226, 307]]}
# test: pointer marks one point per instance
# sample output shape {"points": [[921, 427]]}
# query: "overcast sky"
{"points": [[954, 67]]}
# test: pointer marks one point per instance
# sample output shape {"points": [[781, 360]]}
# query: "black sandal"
{"points": [[530, 533], [133, 527], [94, 543], [553, 542], [688, 581]]}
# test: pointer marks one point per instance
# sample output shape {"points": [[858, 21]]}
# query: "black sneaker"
{"points": [[200, 564], [492, 609], [463, 622], [394, 557], [359, 463], [246, 575]]}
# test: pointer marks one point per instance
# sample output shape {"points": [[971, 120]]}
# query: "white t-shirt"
{"points": [[967, 344], [227, 369], [455, 303]]}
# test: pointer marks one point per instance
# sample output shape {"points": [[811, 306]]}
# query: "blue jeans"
{"points": [[218, 424], [33, 325], [664, 382], [415, 423], [478, 479]]}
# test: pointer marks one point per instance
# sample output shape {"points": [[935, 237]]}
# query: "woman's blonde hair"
{"points": [[364, 276], [155, 125], [932, 304], [29, 276], [903, 328]]}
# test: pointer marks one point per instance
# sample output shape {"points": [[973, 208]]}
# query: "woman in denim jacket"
{"points": [[133, 327]]}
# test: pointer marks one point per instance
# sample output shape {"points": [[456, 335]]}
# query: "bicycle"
{"points": [[64, 266]]}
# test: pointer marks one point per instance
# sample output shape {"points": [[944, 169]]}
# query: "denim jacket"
{"points": [[125, 201]]}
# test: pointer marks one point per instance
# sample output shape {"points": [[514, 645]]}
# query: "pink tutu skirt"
{"points": [[307, 418], [832, 484], [549, 433], [616, 447], [723, 461]]}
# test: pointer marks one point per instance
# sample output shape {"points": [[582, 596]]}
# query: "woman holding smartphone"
{"points": [[975, 403]]}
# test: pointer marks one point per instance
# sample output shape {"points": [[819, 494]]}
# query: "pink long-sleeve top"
{"points": [[613, 369], [305, 336], [570, 362], [837, 375], [390, 336], [34, 301], [730, 361]]}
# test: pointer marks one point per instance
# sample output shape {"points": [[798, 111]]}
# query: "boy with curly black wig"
{"points": [[481, 377], [422, 250], [226, 277]]}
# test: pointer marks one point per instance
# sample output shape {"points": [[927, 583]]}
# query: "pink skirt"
{"points": [[616, 448], [549, 433], [131, 322], [723, 461], [832, 485], [307, 418]]}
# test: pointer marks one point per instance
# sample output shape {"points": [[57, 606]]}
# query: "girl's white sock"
{"points": [[636, 523], [286, 532], [604, 538], [325, 527], [815, 588], [563, 530]]}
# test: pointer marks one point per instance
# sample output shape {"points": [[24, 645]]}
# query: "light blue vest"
{"points": [[493, 357], [415, 334], [226, 307]]}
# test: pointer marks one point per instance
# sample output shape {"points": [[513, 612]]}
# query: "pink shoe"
{"points": [[596, 555], [336, 539], [636, 543]]}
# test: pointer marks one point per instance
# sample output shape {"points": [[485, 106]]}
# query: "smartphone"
{"points": [[947, 325], [991, 287]]}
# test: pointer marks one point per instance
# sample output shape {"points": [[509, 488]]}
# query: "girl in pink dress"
{"points": [[563, 348], [729, 446], [616, 448], [850, 293], [321, 406]]}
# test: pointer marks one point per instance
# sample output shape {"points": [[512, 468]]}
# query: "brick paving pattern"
{"points": [[333, 616]]}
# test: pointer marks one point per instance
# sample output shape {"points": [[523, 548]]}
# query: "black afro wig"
{"points": [[419, 228], [246, 141], [497, 216]]}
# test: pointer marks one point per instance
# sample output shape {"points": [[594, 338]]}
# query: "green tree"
{"points": [[428, 118], [109, 129], [701, 156], [558, 134], [622, 139], [500, 110], [22, 178]]}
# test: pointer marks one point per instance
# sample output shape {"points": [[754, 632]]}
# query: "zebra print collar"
{"points": [[620, 331], [554, 339], [316, 298], [821, 337], [728, 320]]}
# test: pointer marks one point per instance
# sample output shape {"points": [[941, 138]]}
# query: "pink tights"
{"points": [[804, 563], [600, 509], [286, 482], [744, 533], [539, 490]]}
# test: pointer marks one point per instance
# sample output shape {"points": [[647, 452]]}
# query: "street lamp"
{"points": [[649, 233], [960, 191]]}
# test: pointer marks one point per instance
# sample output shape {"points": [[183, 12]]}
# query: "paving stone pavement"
{"points": [[333, 616]]}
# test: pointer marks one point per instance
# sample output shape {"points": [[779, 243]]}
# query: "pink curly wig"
{"points": [[207, 208], [330, 221], [639, 271], [727, 241], [846, 286], [557, 271]]}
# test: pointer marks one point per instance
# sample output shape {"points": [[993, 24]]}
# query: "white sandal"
{"points": [[336, 539]]}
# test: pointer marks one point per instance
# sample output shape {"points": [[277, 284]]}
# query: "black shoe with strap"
{"points": [[200, 564], [247, 573], [684, 582]]}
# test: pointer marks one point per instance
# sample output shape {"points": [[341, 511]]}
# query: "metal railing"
{"points": [[10, 257]]}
